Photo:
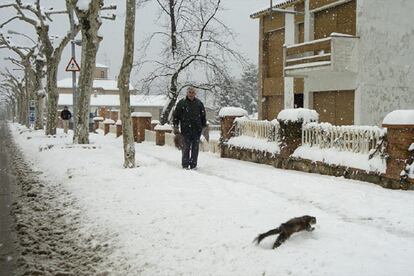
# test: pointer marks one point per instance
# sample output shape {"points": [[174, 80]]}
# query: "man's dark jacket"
{"points": [[191, 116], [65, 114]]}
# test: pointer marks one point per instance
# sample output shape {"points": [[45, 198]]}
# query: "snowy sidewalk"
{"points": [[162, 220]]}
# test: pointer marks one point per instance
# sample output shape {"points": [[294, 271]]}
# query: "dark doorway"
{"points": [[298, 101]]}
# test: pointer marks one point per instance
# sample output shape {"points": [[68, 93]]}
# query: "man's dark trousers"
{"points": [[190, 151]]}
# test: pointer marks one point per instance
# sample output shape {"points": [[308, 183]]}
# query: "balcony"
{"points": [[336, 53]]}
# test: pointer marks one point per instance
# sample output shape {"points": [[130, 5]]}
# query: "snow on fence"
{"points": [[357, 139], [257, 129]]}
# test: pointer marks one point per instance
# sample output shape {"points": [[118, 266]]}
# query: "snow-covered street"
{"points": [[159, 219]]}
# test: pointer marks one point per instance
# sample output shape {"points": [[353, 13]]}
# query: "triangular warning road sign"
{"points": [[72, 66]]}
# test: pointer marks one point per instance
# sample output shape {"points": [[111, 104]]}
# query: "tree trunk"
{"points": [[38, 95], [90, 23], [172, 99], [53, 98], [39, 111], [123, 85]]}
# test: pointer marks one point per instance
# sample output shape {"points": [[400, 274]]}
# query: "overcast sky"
{"points": [[236, 15]]}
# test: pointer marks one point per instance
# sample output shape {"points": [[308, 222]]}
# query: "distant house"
{"points": [[105, 97], [350, 60]]}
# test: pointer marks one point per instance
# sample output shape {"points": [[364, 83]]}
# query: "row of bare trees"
{"points": [[194, 41], [43, 58]]}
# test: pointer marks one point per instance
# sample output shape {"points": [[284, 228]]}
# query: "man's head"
{"points": [[65, 107], [191, 93]]}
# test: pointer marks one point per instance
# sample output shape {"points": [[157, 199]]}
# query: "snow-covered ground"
{"points": [[163, 220]]}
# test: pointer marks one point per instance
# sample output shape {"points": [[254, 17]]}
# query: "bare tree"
{"points": [[40, 18], [195, 40], [123, 85], [15, 88], [90, 22], [25, 54]]}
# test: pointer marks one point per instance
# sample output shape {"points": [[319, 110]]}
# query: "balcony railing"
{"points": [[334, 53]]}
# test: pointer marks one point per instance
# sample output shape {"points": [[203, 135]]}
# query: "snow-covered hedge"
{"points": [[298, 115]]}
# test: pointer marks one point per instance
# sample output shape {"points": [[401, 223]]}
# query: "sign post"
{"points": [[73, 67]]}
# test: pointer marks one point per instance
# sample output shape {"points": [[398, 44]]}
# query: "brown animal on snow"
{"points": [[285, 230]]}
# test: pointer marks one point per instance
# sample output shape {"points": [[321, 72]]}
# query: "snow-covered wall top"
{"points": [[298, 114], [98, 118], [163, 127], [400, 117], [155, 122], [232, 111], [386, 59], [141, 114]]}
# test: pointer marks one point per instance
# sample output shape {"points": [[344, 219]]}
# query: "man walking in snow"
{"points": [[191, 116], [65, 115]]}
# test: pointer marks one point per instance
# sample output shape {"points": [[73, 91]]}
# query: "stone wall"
{"points": [[310, 166]]}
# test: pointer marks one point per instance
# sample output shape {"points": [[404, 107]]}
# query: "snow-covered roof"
{"points": [[298, 114], [113, 100], [276, 4], [97, 84], [399, 117]]}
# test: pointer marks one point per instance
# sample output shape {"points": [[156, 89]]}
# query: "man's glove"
{"points": [[205, 132], [176, 130]]}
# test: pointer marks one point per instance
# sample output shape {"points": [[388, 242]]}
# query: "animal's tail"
{"points": [[260, 237]]}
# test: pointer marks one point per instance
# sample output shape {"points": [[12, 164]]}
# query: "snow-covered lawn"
{"points": [[163, 220]]}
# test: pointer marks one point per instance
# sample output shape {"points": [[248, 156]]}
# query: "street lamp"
{"points": [[17, 33]]}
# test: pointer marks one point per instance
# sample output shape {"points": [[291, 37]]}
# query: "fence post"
{"points": [[140, 122], [400, 137]]}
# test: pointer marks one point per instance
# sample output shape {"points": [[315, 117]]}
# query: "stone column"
{"points": [[227, 116], [400, 138], [107, 123], [160, 131], [140, 122], [96, 121], [118, 128]]}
